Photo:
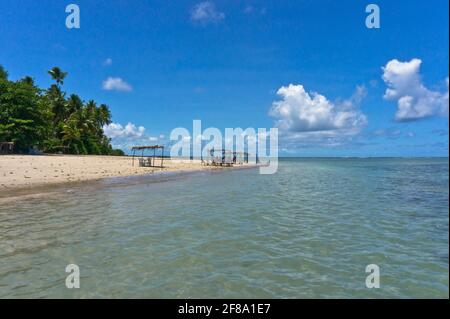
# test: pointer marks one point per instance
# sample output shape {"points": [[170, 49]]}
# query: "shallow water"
{"points": [[306, 232]]}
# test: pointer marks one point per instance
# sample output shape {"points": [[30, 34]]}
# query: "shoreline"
{"points": [[28, 175]]}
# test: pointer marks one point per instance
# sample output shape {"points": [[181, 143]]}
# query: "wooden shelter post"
{"points": [[151, 162]]}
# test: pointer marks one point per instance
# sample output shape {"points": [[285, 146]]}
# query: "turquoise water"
{"points": [[306, 232]]}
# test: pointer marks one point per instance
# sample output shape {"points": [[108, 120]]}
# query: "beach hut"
{"points": [[240, 158], [220, 157], [148, 161]]}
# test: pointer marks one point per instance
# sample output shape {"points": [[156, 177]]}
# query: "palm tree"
{"points": [[87, 117], [58, 75], [103, 115], [71, 133], [28, 80], [74, 103], [91, 106], [3, 73], [57, 103]]}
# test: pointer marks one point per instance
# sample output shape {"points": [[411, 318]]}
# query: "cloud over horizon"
{"points": [[130, 130], [309, 119], [414, 100], [301, 112], [124, 137]]}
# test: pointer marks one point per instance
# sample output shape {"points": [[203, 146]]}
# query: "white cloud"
{"points": [[108, 61], [301, 113], [117, 84], [124, 137], [206, 12], [390, 133], [414, 100], [116, 130]]}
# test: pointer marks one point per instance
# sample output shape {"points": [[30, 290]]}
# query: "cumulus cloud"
{"points": [[301, 112], [108, 61], [126, 136], [206, 12], [308, 120], [414, 100], [115, 130], [116, 84]]}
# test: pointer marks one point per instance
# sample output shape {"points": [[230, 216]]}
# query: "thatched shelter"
{"points": [[219, 157], [148, 161]]}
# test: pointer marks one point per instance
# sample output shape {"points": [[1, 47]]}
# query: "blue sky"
{"points": [[223, 62]]}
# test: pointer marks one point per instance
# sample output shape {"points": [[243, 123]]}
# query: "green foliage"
{"points": [[30, 116], [22, 116], [117, 152], [3, 73]]}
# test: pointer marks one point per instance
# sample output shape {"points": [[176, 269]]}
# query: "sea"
{"points": [[318, 228]]}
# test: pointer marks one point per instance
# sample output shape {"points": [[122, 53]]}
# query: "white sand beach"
{"points": [[26, 171]]}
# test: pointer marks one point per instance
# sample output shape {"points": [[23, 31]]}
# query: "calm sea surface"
{"points": [[308, 231]]}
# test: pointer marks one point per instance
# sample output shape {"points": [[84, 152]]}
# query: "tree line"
{"points": [[49, 120]]}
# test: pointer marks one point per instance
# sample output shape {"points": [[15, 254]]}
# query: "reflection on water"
{"points": [[307, 231]]}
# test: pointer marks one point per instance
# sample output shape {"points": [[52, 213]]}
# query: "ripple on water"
{"points": [[306, 232]]}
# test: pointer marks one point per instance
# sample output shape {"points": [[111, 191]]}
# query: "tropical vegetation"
{"points": [[49, 120]]}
